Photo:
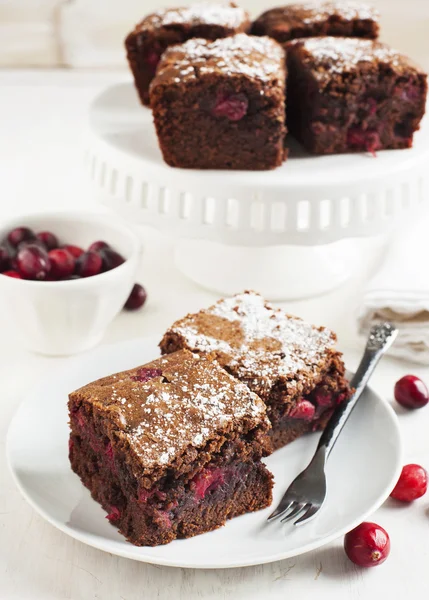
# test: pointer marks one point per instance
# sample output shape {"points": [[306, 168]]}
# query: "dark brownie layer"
{"points": [[150, 442], [311, 19], [181, 510], [292, 365], [221, 105], [146, 43], [349, 95]]}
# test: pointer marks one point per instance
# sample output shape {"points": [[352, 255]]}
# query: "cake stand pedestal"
{"points": [[289, 233]]}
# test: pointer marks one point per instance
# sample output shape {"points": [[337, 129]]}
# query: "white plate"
{"points": [[362, 471]]}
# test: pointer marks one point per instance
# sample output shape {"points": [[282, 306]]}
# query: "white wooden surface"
{"points": [[42, 118], [90, 33]]}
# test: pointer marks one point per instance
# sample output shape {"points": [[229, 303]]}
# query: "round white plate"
{"points": [[362, 471]]}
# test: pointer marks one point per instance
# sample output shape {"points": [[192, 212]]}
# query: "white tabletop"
{"points": [[43, 115]]}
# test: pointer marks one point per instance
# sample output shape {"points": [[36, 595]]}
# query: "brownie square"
{"points": [[351, 95], [293, 366], [311, 19], [146, 43], [221, 104], [171, 449]]}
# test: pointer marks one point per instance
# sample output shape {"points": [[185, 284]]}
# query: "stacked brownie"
{"points": [[221, 104], [171, 449], [146, 43], [293, 366], [348, 95], [311, 19]]}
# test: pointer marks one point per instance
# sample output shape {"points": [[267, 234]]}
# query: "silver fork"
{"points": [[307, 492]]}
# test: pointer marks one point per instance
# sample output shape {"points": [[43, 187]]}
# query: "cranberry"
{"points": [[323, 399], [74, 250], [88, 264], [100, 245], [137, 298], [12, 274], [144, 375], [62, 263], [114, 514], [368, 545], [411, 392], [361, 139], [111, 258], [233, 107], [4, 258], [303, 410], [207, 480], [33, 262], [412, 484], [19, 235], [152, 59], [48, 239]]}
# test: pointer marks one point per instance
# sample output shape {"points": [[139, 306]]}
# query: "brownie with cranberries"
{"points": [[171, 449], [311, 19], [293, 366], [146, 43], [352, 95], [221, 104]]}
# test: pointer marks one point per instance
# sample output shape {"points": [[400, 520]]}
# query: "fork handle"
{"points": [[380, 339]]}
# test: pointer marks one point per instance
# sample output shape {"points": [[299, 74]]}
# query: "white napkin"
{"points": [[399, 291]]}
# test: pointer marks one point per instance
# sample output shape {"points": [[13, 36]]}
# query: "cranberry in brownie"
{"points": [[221, 105], [351, 95], [311, 19], [170, 449], [293, 366], [210, 20]]}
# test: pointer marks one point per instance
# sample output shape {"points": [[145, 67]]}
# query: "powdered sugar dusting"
{"points": [[269, 345], [256, 57], [339, 55], [346, 10], [224, 14], [191, 402]]}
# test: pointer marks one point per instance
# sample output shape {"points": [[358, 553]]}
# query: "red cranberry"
{"points": [[144, 375], [361, 139], [100, 245], [233, 107], [114, 514], [137, 297], [19, 235], [411, 392], [111, 258], [74, 250], [48, 239], [303, 410], [368, 545], [412, 484], [323, 398], [88, 264], [13, 274], [62, 263], [33, 262], [207, 480], [4, 258], [152, 59]]}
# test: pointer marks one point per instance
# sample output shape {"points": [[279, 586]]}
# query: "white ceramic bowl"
{"points": [[67, 317]]}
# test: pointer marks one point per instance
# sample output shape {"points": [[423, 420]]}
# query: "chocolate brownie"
{"points": [[346, 19], [149, 39], [293, 366], [221, 104], [171, 449], [348, 95]]}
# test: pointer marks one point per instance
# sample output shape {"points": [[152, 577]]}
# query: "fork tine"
{"points": [[281, 509], [312, 510], [297, 509]]}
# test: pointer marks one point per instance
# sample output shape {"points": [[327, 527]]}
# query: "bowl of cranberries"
{"points": [[65, 276]]}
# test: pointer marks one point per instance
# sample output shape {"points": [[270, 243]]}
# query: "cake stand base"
{"points": [[277, 272]]}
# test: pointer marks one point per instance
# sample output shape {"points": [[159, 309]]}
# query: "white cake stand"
{"points": [[287, 232]]}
